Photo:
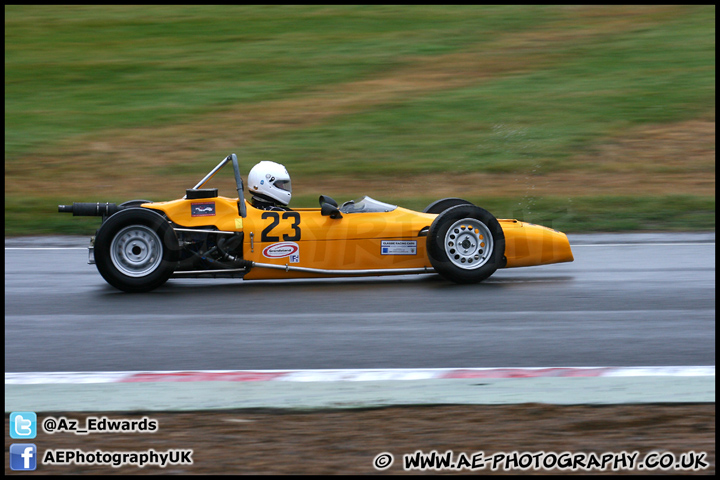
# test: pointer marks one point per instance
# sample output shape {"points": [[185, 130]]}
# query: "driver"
{"points": [[269, 184]]}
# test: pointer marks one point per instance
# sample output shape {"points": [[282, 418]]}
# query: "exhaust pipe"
{"points": [[90, 209]]}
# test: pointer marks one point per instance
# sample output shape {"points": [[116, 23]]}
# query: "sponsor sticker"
{"points": [[205, 209], [398, 247], [282, 250]]}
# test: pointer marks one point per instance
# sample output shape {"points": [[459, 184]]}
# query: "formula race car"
{"points": [[141, 244]]}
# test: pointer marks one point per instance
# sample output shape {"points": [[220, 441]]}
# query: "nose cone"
{"points": [[527, 244], [552, 246], [562, 249]]}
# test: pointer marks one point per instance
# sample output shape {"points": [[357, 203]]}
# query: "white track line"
{"points": [[683, 244], [343, 375]]}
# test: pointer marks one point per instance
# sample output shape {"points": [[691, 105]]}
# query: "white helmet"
{"points": [[270, 181]]}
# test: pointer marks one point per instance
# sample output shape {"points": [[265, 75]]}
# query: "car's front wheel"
{"points": [[443, 204], [136, 250], [466, 244]]}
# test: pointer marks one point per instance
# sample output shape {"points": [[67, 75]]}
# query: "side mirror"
{"points": [[326, 199], [329, 210]]}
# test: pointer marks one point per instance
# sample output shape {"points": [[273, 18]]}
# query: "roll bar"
{"points": [[242, 211]]}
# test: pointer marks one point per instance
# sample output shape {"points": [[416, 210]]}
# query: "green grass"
{"points": [[513, 124], [544, 85], [70, 70]]}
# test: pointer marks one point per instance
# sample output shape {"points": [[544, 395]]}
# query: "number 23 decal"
{"points": [[275, 216]]}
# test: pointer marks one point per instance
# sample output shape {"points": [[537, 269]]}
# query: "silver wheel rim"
{"points": [[136, 251], [468, 244]]}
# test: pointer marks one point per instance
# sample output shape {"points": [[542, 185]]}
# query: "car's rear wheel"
{"points": [[466, 244], [134, 203], [136, 250]]}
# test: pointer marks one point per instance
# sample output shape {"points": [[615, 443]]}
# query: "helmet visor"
{"points": [[283, 185]]}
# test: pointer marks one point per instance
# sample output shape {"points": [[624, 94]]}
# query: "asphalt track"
{"points": [[627, 300]]}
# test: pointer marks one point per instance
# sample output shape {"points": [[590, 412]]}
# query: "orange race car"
{"points": [[141, 244]]}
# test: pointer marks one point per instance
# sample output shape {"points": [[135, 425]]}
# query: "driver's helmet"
{"points": [[270, 181]]}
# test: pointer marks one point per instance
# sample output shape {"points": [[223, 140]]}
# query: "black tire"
{"points": [[136, 250], [440, 206], [466, 244]]}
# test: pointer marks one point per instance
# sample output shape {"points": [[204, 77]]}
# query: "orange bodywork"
{"points": [[357, 241]]}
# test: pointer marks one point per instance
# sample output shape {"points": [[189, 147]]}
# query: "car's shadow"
{"points": [[339, 285]]}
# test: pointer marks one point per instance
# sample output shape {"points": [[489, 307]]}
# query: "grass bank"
{"points": [[594, 118]]}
